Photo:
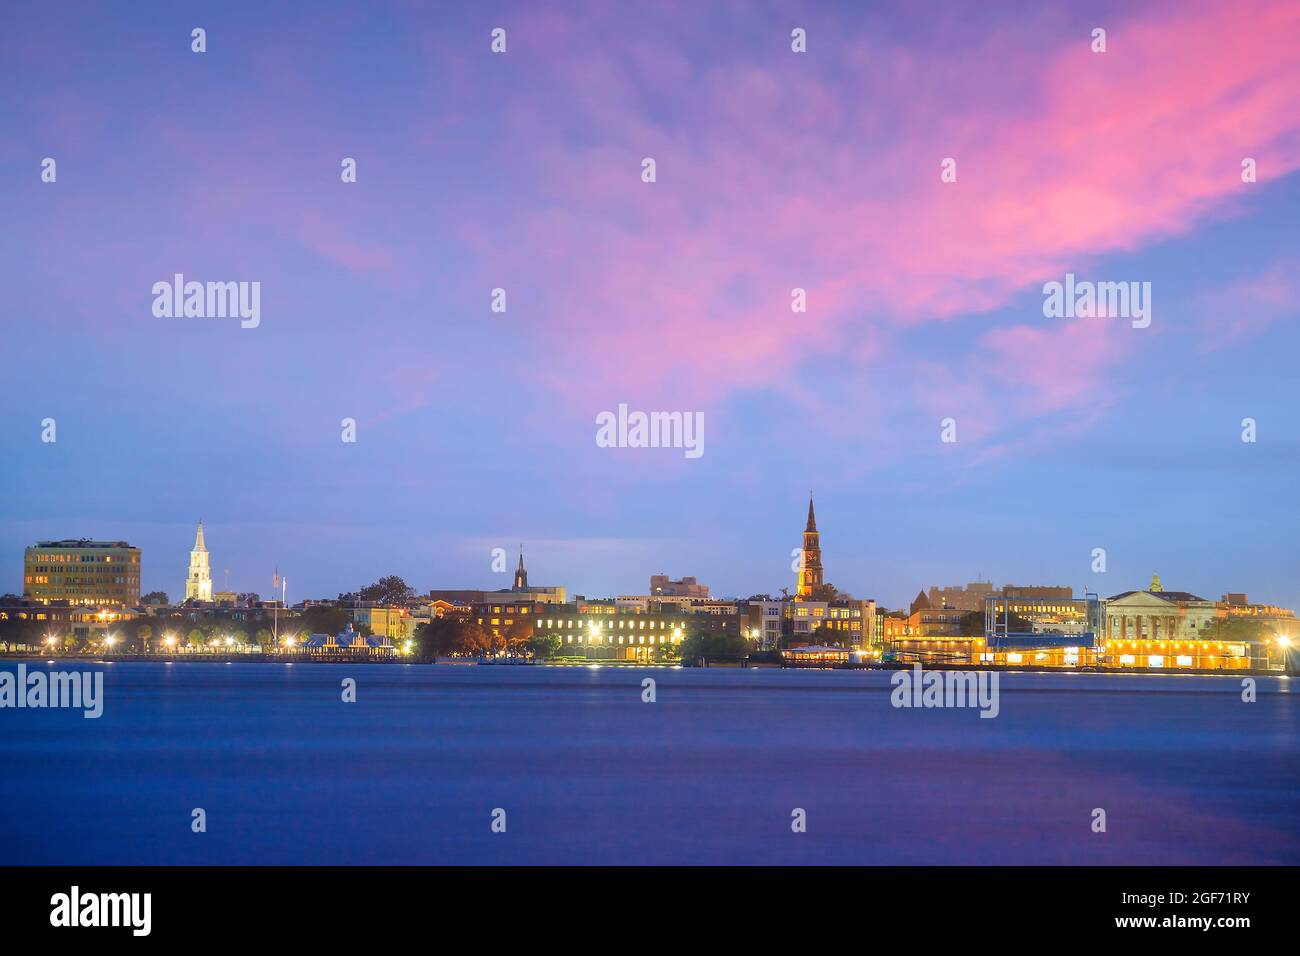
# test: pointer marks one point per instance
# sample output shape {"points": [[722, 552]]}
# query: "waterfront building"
{"points": [[815, 655], [595, 630], [49, 625], [81, 571], [1043, 627], [1163, 629], [198, 583], [349, 643], [845, 621], [661, 586], [810, 559]]}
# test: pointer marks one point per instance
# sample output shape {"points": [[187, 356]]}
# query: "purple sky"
{"points": [[775, 170]]}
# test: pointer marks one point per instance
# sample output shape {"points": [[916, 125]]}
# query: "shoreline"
{"points": [[26, 657]]}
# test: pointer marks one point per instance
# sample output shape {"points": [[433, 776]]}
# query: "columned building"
{"points": [[198, 584], [1167, 629]]}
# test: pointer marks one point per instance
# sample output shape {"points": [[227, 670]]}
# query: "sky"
{"points": [[774, 170]]}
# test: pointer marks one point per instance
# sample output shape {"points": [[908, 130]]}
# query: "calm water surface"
{"points": [[587, 773]]}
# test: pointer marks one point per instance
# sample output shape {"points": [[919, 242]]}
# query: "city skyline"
{"points": [[499, 560], [775, 171]]}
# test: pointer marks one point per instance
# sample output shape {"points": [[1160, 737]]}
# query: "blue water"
{"points": [[588, 773]]}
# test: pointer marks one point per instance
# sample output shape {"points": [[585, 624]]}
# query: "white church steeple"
{"points": [[198, 586]]}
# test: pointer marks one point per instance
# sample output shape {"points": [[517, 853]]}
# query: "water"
{"points": [[1186, 772]]}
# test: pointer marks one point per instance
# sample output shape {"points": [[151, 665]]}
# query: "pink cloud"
{"points": [[772, 175]]}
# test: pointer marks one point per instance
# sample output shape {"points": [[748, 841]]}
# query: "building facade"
{"points": [[597, 631], [81, 571]]}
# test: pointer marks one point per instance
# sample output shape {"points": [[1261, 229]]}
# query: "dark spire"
{"points": [[812, 519], [521, 576]]}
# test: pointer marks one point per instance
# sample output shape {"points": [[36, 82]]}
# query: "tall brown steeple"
{"points": [[810, 559]]}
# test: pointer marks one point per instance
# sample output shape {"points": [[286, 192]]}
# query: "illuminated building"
{"points": [[1167, 630], [88, 624], [81, 571], [198, 583], [596, 631], [810, 559], [395, 623], [845, 621]]}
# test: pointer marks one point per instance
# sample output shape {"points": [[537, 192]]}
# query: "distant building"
{"points": [[661, 586], [395, 623], [519, 591], [81, 571], [973, 595], [198, 583], [764, 622], [969, 598]]}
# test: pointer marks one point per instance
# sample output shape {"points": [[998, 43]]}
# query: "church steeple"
{"points": [[810, 559], [521, 576], [198, 584]]}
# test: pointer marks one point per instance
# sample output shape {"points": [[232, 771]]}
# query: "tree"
{"points": [[544, 645], [143, 632], [264, 638], [518, 635], [195, 638], [1237, 627], [759, 597], [701, 645], [322, 619], [827, 592], [826, 635], [445, 637], [155, 597], [387, 590]]}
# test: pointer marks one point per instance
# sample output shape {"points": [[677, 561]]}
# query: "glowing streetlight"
{"points": [[1283, 640], [110, 640], [170, 640]]}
